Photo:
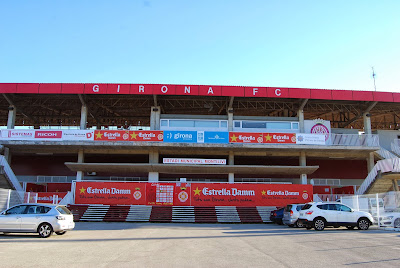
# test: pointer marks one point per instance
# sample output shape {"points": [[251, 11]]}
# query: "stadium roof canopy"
{"points": [[59, 104]]}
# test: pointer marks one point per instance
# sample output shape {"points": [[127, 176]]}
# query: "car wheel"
{"points": [[350, 227], [363, 224], [45, 230], [299, 224], [61, 233], [396, 223], [319, 224]]}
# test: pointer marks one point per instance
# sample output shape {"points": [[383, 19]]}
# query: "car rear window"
{"points": [[306, 206], [288, 208], [63, 210]]}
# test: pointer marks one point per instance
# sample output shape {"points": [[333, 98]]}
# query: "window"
{"points": [[279, 125], [17, 210], [306, 206], [224, 124], [345, 208], [299, 207], [237, 123], [181, 123], [253, 124], [323, 207], [164, 123], [64, 210], [213, 124]]}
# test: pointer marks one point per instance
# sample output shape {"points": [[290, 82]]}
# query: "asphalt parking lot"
{"points": [[125, 244]]}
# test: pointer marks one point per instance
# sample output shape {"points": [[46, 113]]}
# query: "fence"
{"points": [[9, 198], [384, 207]]}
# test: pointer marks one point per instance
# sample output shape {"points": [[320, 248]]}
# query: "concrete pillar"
{"points": [[155, 118], [83, 117], [12, 112], [153, 159], [302, 162], [81, 158], [231, 162], [300, 114], [230, 119], [395, 185], [367, 123], [370, 162]]}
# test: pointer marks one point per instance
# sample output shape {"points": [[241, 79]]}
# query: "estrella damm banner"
{"points": [[191, 194]]}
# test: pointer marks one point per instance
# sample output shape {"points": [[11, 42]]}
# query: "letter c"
{"points": [[278, 92], [96, 88]]}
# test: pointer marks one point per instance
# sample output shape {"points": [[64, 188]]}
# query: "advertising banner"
{"points": [[286, 138], [18, 134], [78, 135], [43, 197], [146, 135], [111, 135], [216, 137], [245, 137], [48, 134], [110, 193], [250, 194], [191, 194], [180, 136], [313, 139], [194, 161]]}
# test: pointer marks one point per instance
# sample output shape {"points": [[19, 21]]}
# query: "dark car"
{"points": [[277, 216]]}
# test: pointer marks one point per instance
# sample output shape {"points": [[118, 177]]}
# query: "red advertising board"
{"points": [[111, 135], [146, 135], [245, 137], [110, 193], [187, 194], [48, 134], [280, 138]]}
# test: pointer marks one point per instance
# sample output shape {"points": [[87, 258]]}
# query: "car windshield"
{"points": [[306, 206], [288, 208], [63, 210]]}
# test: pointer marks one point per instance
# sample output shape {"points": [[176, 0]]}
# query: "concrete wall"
{"points": [[386, 137]]}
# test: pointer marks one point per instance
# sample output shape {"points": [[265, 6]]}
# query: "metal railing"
{"points": [[364, 140]]}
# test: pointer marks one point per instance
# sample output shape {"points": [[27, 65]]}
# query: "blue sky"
{"points": [[311, 44]]}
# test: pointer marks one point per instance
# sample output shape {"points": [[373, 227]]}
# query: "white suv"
{"points": [[321, 214]]}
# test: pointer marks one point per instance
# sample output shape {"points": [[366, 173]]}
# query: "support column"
{"points": [[12, 113], [83, 117], [302, 161], [367, 123], [153, 159], [370, 162], [230, 119], [81, 158], [231, 162], [300, 114], [395, 185], [155, 118]]}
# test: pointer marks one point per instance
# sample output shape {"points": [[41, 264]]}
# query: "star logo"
{"points": [[233, 138], [263, 192], [99, 135], [268, 137], [82, 190], [134, 136], [197, 191]]}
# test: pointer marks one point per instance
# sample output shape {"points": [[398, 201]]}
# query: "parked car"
{"points": [[321, 214], [388, 219], [291, 214], [43, 219], [276, 216]]}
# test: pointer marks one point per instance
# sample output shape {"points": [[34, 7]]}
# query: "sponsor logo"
{"points": [[284, 193], [20, 134], [48, 134], [231, 192], [91, 190], [183, 196]]}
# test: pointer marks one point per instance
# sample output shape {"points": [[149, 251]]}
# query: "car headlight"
{"points": [[388, 218]]}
